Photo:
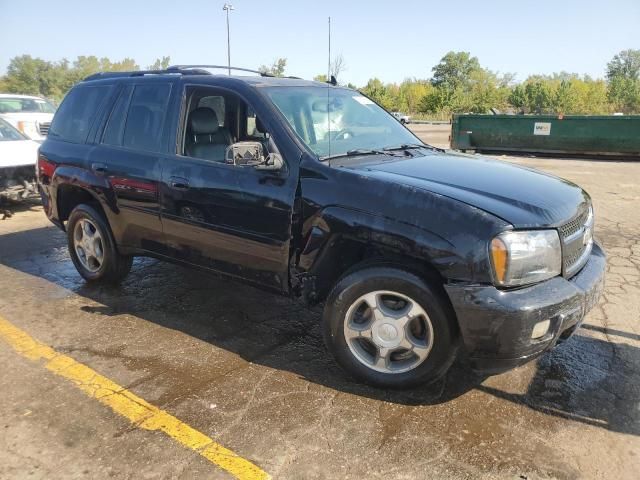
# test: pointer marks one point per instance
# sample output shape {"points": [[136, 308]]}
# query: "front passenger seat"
{"points": [[207, 139]]}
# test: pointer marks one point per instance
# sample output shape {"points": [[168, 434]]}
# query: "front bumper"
{"points": [[496, 325]]}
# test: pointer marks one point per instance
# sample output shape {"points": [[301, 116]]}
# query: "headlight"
{"points": [[523, 257], [30, 129]]}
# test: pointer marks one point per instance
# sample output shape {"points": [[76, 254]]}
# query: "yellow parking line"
{"points": [[139, 412]]}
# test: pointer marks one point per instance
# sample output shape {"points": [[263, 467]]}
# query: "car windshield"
{"points": [[8, 133], [25, 105], [338, 121]]}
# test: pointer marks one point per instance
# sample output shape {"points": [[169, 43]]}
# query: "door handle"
{"points": [[99, 167], [179, 183]]}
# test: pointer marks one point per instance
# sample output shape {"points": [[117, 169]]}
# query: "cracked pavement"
{"points": [[249, 370]]}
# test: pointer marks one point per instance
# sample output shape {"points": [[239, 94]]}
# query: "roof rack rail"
{"points": [[140, 73], [175, 70], [222, 67]]}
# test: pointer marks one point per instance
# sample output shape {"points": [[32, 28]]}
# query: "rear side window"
{"points": [[115, 125], [145, 118], [76, 115]]}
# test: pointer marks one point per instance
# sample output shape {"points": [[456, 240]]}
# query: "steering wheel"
{"points": [[344, 134]]}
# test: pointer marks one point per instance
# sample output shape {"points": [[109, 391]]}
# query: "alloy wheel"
{"points": [[88, 244], [388, 331]]}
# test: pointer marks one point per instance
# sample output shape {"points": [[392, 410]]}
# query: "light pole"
{"points": [[227, 7]]}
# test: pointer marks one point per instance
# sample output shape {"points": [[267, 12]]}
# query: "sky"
{"points": [[391, 40]]}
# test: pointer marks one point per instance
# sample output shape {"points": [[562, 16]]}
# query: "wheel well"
{"points": [[356, 256], [347, 255], [70, 196]]}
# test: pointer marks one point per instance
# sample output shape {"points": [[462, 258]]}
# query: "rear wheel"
{"points": [[389, 328], [92, 247]]}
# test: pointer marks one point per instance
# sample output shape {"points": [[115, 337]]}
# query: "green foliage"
{"points": [[379, 93], [34, 76], [276, 69], [160, 64], [624, 94], [625, 64], [459, 84], [455, 70], [561, 94]]}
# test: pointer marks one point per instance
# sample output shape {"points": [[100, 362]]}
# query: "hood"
{"points": [[17, 153], [518, 195], [15, 117]]}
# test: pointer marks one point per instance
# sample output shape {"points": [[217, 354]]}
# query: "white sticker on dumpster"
{"points": [[542, 128]]}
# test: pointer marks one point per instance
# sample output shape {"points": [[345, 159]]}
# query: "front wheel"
{"points": [[388, 328], [92, 247]]}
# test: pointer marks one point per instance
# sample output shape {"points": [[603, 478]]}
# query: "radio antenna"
{"points": [[329, 59], [329, 91]]}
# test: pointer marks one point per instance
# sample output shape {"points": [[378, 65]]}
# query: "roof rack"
{"points": [[175, 70], [140, 73], [222, 67]]}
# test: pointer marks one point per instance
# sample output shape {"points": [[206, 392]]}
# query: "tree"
{"points": [[338, 65], [518, 98], [540, 96], [125, 65], [377, 91], [25, 74], [567, 97], [594, 97], [624, 94], [160, 64], [412, 92], [276, 69], [35, 76], [623, 74], [439, 100], [455, 70], [625, 64]]}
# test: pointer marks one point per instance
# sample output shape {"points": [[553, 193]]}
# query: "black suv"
{"points": [[313, 190]]}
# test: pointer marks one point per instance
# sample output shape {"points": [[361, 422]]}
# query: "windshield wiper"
{"points": [[360, 152], [408, 146]]}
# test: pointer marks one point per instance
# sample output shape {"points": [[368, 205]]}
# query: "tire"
{"points": [[92, 247], [403, 367]]}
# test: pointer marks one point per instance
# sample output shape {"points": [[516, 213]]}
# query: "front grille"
{"points": [[577, 241], [574, 225], [44, 128]]}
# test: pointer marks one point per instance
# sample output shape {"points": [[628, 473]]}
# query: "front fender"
{"points": [[336, 238]]}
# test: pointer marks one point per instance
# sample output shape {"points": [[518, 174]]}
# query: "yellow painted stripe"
{"points": [[139, 412]]}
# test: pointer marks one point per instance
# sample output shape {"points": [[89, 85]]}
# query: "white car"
{"points": [[18, 156], [404, 119], [31, 115]]}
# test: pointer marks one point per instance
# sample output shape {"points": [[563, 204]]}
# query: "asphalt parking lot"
{"points": [[248, 370]]}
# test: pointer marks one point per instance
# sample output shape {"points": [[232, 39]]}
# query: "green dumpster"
{"points": [[548, 134]]}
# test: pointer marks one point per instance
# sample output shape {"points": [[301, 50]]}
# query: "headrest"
{"points": [[260, 126], [203, 121]]}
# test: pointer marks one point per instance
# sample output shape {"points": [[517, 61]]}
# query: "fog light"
{"points": [[540, 329]]}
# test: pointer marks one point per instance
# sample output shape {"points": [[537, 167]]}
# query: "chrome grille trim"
{"points": [[577, 241], [43, 127]]}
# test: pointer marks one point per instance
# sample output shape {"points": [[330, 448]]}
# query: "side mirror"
{"points": [[251, 154], [244, 154], [273, 162]]}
